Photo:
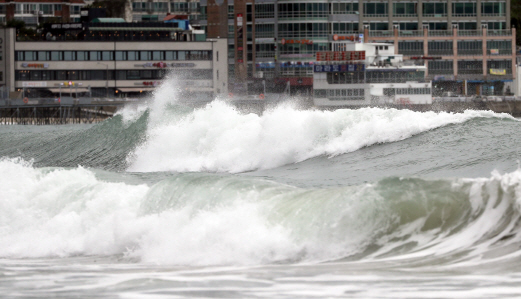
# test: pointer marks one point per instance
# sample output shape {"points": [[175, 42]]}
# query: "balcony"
{"points": [[506, 32]]}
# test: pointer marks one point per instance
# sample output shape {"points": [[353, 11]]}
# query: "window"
{"points": [[170, 55], [405, 9], [345, 8], [264, 11], [410, 47], [379, 26], [493, 8], [82, 55], [375, 9], [470, 47], [464, 9], [145, 55], [342, 28], [69, 55], [440, 48], [437, 25], [56, 55], [434, 9], [408, 26], [470, 67]]}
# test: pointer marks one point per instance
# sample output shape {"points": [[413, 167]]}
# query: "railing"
{"points": [[376, 15], [410, 32], [464, 14], [435, 15], [440, 32], [496, 14], [405, 15], [384, 33], [506, 32], [470, 33]]}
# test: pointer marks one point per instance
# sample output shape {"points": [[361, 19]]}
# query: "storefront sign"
{"points": [[339, 68], [500, 72], [151, 83], [297, 41], [359, 38], [36, 65], [183, 64], [34, 84], [67, 26]]}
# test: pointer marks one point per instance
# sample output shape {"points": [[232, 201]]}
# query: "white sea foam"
{"points": [[69, 212], [220, 138]]}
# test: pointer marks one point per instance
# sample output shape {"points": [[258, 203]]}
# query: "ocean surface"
{"points": [[168, 201]]}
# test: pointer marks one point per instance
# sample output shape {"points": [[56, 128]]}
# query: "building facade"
{"points": [[34, 13], [113, 67], [471, 42]]}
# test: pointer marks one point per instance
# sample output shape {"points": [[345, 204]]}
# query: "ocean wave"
{"points": [[219, 138], [212, 219]]}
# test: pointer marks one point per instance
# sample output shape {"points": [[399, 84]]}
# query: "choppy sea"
{"points": [[168, 201]]}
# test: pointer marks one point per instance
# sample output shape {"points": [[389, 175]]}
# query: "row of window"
{"points": [[466, 66], [382, 26], [160, 7], [65, 75], [111, 55], [45, 9], [335, 94], [463, 46], [436, 9]]}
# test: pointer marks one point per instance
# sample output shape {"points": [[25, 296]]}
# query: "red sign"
{"points": [[150, 83], [296, 41], [340, 55]]}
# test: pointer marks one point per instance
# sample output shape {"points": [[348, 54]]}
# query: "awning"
{"points": [[135, 89], [65, 90]]}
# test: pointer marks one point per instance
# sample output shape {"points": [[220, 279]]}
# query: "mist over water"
{"points": [[217, 202]]}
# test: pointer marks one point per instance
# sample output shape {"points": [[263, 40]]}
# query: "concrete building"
{"points": [[115, 66], [37, 12], [471, 40]]}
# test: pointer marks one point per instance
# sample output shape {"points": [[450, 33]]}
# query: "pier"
{"points": [[45, 111]]}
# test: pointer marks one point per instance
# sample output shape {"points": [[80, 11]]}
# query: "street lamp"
{"points": [[107, 82], [61, 84]]}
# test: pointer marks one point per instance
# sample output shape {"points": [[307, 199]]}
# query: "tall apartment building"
{"points": [[36, 12], [157, 10], [471, 41]]}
